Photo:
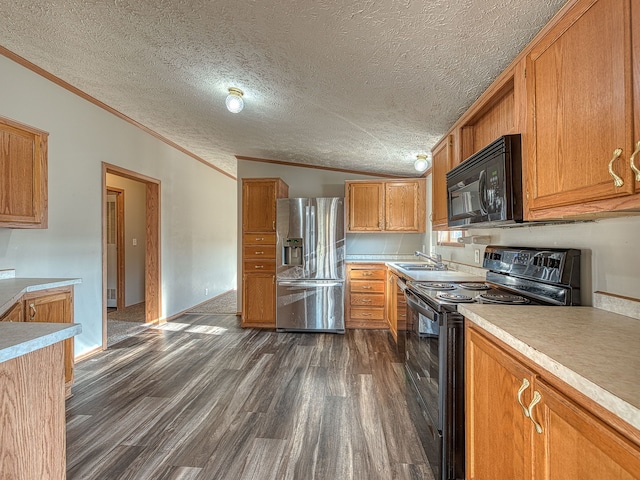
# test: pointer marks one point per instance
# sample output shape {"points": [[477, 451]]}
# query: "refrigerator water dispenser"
{"points": [[292, 252]]}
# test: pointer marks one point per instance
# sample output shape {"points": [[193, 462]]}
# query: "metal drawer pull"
{"points": [[633, 162], [367, 287], [366, 300], [617, 181], [534, 401], [259, 239], [365, 314], [525, 385], [367, 274], [259, 266], [32, 306], [259, 253]]}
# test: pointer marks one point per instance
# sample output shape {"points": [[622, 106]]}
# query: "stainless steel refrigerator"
{"points": [[310, 272]]}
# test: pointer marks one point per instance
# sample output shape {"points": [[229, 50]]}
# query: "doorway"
{"points": [[152, 294]]}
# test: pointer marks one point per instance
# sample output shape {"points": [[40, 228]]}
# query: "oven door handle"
{"points": [[415, 304]]}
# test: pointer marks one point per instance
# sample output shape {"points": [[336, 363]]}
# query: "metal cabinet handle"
{"points": [[32, 306], [523, 387], [366, 300], [366, 274], [632, 160], [259, 239], [366, 314], [259, 266], [617, 181], [259, 253], [366, 287], [534, 401]]}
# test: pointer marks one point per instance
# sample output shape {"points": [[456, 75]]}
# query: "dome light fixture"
{"points": [[421, 163], [234, 100]]}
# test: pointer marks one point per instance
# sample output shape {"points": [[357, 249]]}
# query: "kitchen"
{"points": [[610, 264]]}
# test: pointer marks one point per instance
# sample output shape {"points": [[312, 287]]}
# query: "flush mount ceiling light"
{"points": [[234, 100], [421, 163]]}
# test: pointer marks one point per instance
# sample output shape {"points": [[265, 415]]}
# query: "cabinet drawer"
{"points": [[367, 274], [366, 299], [259, 239], [367, 313], [259, 251], [257, 266], [366, 286]]}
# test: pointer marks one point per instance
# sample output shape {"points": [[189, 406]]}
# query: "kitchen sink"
{"points": [[415, 266]]}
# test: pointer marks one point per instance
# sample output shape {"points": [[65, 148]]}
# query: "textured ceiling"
{"points": [[361, 85]]}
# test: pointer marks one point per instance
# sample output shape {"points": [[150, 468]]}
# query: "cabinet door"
{"points": [[259, 206], [497, 431], [405, 206], [392, 304], [365, 207], [442, 163], [259, 300], [575, 444], [23, 176], [53, 308], [14, 314], [579, 104]]}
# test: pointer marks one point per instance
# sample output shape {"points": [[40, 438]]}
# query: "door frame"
{"points": [[119, 193], [152, 267]]}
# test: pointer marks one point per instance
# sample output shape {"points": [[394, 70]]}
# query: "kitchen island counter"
{"points": [[592, 350]]}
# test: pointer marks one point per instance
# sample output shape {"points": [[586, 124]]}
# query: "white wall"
{"points": [[198, 211], [610, 259], [134, 228]]}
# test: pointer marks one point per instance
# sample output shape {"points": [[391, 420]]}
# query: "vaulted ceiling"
{"points": [[359, 85]]}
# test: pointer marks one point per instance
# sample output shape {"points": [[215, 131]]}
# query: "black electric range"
{"points": [[434, 347]]}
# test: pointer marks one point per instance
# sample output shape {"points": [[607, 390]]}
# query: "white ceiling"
{"points": [[360, 85]]}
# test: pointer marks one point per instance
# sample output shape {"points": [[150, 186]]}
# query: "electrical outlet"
{"points": [[477, 255]]}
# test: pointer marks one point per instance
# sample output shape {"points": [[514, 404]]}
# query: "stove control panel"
{"points": [[551, 265]]}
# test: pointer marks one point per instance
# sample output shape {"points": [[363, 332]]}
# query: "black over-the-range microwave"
{"points": [[486, 189]]}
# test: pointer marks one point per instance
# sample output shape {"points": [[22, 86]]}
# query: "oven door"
{"points": [[423, 361]]}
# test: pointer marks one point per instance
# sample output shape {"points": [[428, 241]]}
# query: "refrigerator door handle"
{"points": [[310, 284]]}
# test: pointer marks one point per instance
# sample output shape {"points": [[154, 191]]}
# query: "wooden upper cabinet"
{"points": [[442, 162], [405, 207], [365, 203], [386, 205], [259, 203], [579, 93], [23, 176]]}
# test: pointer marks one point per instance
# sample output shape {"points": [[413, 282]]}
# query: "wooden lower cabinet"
{"points": [[559, 436], [14, 314], [259, 300], [365, 295], [396, 306], [53, 306]]}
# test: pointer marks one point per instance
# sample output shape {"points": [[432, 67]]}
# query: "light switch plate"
{"points": [[477, 255]]}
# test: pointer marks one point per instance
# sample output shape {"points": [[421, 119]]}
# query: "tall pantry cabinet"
{"points": [[259, 196]]}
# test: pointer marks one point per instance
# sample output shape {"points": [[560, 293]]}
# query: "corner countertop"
{"points": [[11, 289], [592, 350], [20, 338]]}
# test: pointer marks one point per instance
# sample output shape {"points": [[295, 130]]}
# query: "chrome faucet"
{"points": [[435, 259]]}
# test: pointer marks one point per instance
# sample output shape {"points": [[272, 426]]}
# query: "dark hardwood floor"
{"points": [[203, 399]]}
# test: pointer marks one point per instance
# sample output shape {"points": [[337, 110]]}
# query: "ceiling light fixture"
{"points": [[421, 163], [234, 100]]}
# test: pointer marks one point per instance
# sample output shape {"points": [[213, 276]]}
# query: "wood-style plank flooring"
{"points": [[203, 399]]}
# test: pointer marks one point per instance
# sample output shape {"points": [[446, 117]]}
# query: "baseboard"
{"points": [[88, 354]]}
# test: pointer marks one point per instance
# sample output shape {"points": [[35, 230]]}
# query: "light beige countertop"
{"points": [[20, 338], [11, 289], [592, 350]]}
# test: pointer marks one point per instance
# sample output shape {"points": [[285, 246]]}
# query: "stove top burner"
{"points": [[437, 286], [474, 286], [454, 297], [503, 298]]}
